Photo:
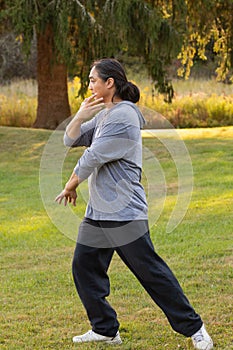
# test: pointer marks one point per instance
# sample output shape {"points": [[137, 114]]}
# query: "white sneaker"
{"points": [[201, 339], [91, 336]]}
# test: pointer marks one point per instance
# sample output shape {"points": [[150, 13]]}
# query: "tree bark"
{"points": [[53, 104]]}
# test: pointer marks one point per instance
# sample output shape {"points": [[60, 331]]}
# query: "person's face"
{"points": [[100, 87]]}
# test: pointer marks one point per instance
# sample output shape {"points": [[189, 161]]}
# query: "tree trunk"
{"points": [[53, 104]]}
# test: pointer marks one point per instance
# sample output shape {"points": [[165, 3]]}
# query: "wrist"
{"points": [[78, 118], [73, 128], [73, 183], [70, 187]]}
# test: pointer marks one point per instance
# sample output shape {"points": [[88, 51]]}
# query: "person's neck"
{"points": [[109, 104]]}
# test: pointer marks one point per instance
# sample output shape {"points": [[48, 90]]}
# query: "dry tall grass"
{"points": [[197, 103]]}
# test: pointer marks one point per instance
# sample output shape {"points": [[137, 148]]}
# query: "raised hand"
{"points": [[89, 107]]}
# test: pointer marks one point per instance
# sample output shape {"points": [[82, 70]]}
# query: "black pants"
{"points": [[90, 266]]}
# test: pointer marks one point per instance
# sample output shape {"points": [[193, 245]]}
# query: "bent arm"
{"points": [[88, 109], [84, 134], [73, 128], [113, 144]]}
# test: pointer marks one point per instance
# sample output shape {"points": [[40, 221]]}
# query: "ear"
{"points": [[110, 83]]}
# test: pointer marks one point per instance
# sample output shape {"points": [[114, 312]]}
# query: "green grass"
{"points": [[39, 305]]}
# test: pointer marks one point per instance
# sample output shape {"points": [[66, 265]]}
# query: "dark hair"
{"points": [[111, 68]]}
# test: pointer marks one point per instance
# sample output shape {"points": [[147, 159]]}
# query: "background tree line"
{"points": [[70, 34]]}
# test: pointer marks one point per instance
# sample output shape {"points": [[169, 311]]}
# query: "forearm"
{"points": [[111, 144], [69, 194], [73, 129], [73, 182], [88, 109]]}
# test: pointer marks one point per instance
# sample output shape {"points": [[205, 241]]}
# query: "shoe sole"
{"points": [[109, 342], [113, 342]]}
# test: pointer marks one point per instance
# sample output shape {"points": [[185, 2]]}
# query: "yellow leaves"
{"points": [[165, 12], [186, 56], [19, 38], [208, 22], [194, 44], [73, 89], [180, 72], [223, 50]]}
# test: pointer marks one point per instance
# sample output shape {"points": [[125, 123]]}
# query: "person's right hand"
{"points": [[69, 196], [89, 108]]}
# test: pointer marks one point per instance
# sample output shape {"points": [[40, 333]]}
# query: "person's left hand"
{"points": [[69, 196]]}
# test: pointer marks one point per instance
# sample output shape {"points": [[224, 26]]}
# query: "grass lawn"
{"points": [[39, 305]]}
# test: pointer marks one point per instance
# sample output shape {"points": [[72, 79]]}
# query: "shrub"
{"points": [[198, 110], [18, 103]]}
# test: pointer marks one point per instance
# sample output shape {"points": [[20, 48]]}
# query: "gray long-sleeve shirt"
{"points": [[113, 163]]}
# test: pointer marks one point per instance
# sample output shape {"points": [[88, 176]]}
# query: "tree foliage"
{"points": [[154, 31], [208, 21], [146, 29]]}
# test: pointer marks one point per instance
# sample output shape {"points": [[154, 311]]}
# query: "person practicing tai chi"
{"points": [[109, 124]]}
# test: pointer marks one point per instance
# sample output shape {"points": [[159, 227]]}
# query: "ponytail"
{"points": [[111, 68], [129, 92]]}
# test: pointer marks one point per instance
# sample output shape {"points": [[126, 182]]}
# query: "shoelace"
{"points": [[198, 336]]}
